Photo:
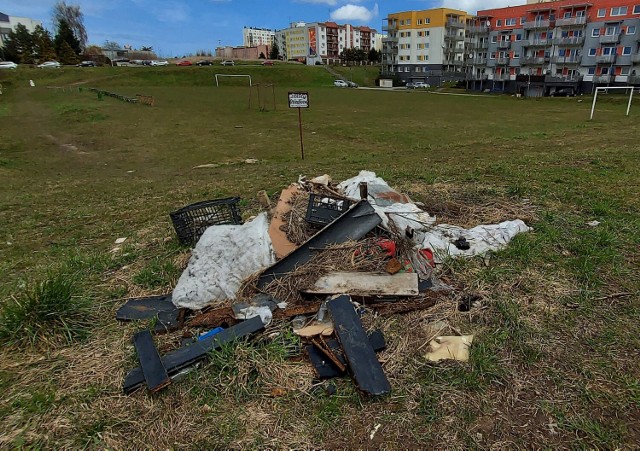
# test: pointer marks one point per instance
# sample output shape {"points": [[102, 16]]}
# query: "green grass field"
{"points": [[555, 355]]}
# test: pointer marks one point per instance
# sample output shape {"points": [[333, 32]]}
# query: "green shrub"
{"points": [[48, 311]]}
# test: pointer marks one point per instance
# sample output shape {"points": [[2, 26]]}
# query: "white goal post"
{"points": [[227, 75], [606, 88]]}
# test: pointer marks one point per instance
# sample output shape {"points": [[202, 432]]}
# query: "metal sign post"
{"points": [[299, 100]]}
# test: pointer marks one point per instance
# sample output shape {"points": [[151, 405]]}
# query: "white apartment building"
{"points": [[252, 37], [323, 41], [9, 23]]}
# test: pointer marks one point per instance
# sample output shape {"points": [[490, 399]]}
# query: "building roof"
{"points": [[4, 17], [331, 24]]}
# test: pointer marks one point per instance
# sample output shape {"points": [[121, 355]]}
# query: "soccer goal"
{"points": [[228, 75], [607, 88]]}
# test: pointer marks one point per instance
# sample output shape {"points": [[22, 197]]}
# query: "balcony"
{"points": [[501, 77], [562, 79], [635, 58], [623, 60], [605, 59], [482, 45], [602, 78], [633, 80], [610, 39], [572, 59], [571, 21], [453, 37], [451, 62], [393, 27], [502, 60], [478, 29], [504, 44], [534, 60], [537, 42], [469, 41], [569, 41], [477, 61], [532, 25], [453, 23]]}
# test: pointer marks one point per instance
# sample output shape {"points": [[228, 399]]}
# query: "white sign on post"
{"points": [[298, 100]]}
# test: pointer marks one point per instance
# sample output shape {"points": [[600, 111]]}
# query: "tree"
{"points": [[74, 18], [111, 45], [274, 54], [65, 35], [18, 46], [373, 56], [43, 46], [146, 49], [67, 55]]}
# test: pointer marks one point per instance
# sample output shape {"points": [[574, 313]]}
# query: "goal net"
{"points": [[219, 76]]}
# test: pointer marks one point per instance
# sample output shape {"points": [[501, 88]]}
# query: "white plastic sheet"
{"points": [[224, 256]]}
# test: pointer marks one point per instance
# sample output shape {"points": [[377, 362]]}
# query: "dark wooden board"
{"points": [[352, 225], [145, 308], [325, 368], [153, 370], [363, 363], [185, 356]]}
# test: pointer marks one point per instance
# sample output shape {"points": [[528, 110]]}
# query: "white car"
{"points": [[340, 84], [8, 65], [53, 64], [228, 63], [421, 84], [159, 63]]}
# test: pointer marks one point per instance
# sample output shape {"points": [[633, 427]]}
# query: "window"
{"points": [[510, 22], [523, 20], [604, 71], [595, 32], [626, 50], [420, 34], [406, 68], [427, 21], [636, 9], [552, 17], [619, 11], [609, 51], [516, 54], [610, 31], [519, 37], [592, 52], [602, 12], [591, 71], [631, 29], [494, 39], [624, 71], [499, 23], [580, 13], [427, 33], [419, 21], [492, 56], [561, 52], [567, 15], [402, 22]]}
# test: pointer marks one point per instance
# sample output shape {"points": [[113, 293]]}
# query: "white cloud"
{"points": [[357, 13], [472, 6], [171, 12]]}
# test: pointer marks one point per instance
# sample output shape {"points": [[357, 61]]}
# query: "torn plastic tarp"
{"points": [[398, 209], [224, 256], [481, 239]]}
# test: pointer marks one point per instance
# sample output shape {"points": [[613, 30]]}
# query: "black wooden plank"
{"points": [[145, 308], [364, 365], [153, 370], [352, 225], [325, 368], [185, 356]]}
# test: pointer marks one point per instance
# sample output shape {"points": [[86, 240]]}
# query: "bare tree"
{"points": [[72, 15]]}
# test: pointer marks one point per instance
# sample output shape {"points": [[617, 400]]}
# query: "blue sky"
{"points": [[176, 27]]}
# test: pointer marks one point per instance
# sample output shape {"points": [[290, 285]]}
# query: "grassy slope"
{"points": [[554, 363]]}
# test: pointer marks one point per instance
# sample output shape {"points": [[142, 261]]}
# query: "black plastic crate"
{"points": [[323, 210], [191, 221]]}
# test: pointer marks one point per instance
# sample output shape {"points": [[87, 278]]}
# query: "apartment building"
{"points": [[9, 23], [426, 45], [536, 49], [252, 36], [323, 42]]}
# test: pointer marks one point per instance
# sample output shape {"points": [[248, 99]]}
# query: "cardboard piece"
{"points": [[450, 348], [281, 245]]}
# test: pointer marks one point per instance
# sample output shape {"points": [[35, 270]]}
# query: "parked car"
{"points": [[267, 63], [184, 63], [86, 64], [564, 92], [340, 84], [417, 85], [228, 63], [352, 84], [8, 65], [204, 63], [51, 64], [160, 63]]}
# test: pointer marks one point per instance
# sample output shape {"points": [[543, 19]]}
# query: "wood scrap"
{"points": [[366, 284], [153, 369], [281, 244]]}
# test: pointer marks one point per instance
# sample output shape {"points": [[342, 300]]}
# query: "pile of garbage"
{"points": [[325, 254]]}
